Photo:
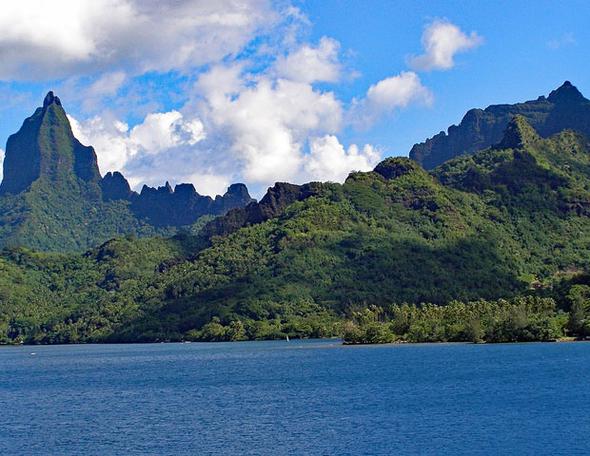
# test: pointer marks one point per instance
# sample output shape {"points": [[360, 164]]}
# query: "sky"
{"points": [[259, 91]]}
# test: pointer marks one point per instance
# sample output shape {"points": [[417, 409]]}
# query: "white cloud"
{"points": [[256, 118], [219, 85], [441, 40], [387, 95], [567, 39], [1, 164], [153, 151], [398, 91], [235, 128], [45, 40], [110, 139], [164, 130], [267, 122], [328, 160], [311, 64], [107, 85], [209, 183], [253, 128]]}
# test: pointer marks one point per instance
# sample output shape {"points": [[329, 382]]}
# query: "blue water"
{"points": [[300, 398]]}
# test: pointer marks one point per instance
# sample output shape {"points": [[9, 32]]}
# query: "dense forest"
{"points": [[521, 319], [487, 247]]}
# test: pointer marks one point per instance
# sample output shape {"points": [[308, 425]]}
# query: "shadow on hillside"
{"points": [[369, 271]]}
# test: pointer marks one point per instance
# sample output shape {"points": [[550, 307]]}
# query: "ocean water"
{"points": [[298, 397]]}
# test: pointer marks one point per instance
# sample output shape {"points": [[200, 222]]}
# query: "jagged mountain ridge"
{"points": [[52, 196], [178, 206], [564, 108]]}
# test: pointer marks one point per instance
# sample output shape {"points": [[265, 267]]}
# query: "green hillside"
{"points": [[68, 215], [506, 222]]}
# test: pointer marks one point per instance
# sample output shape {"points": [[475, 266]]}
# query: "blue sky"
{"points": [[258, 91], [530, 47]]}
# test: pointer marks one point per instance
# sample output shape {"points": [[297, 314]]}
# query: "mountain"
{"points": [[45, 147], [53, 197], [507, 222], [183, 206], [564, 108]]}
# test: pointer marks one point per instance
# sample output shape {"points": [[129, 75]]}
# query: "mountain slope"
{"points": [[507, 221], [564, 108], [53, 197], [45, 147]]}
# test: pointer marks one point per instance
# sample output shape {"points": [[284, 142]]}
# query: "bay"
{"points": [[299, 397]]}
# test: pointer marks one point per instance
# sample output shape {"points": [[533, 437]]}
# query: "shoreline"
{"points": [[340, 342]]}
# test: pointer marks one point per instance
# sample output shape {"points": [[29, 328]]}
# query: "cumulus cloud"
{"points": [[256, 128], [210, 183], [1, 164], [43, 40], [109, 137], [160, 147], [441, 40], [247, 107], [328, 160], [107, 84], [398, 91], [387, 95], [312, 64], [165, 130], [235, 128], [265, 123]]}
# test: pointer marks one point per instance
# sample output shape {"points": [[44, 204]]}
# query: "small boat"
{"points": [[288, 340]]}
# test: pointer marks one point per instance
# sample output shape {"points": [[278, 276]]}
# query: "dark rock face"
{"points": [[182, 206], [276, 199], [115, 187], [85, 163], [273, 204], [50, 98], [567, 93], [236, 196], [45, 147], [564, 108], [164, 206]]}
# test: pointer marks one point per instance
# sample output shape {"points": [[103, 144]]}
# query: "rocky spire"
{"points": [[50, 98], [46, 147], [566, 93], [115, 187]]}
